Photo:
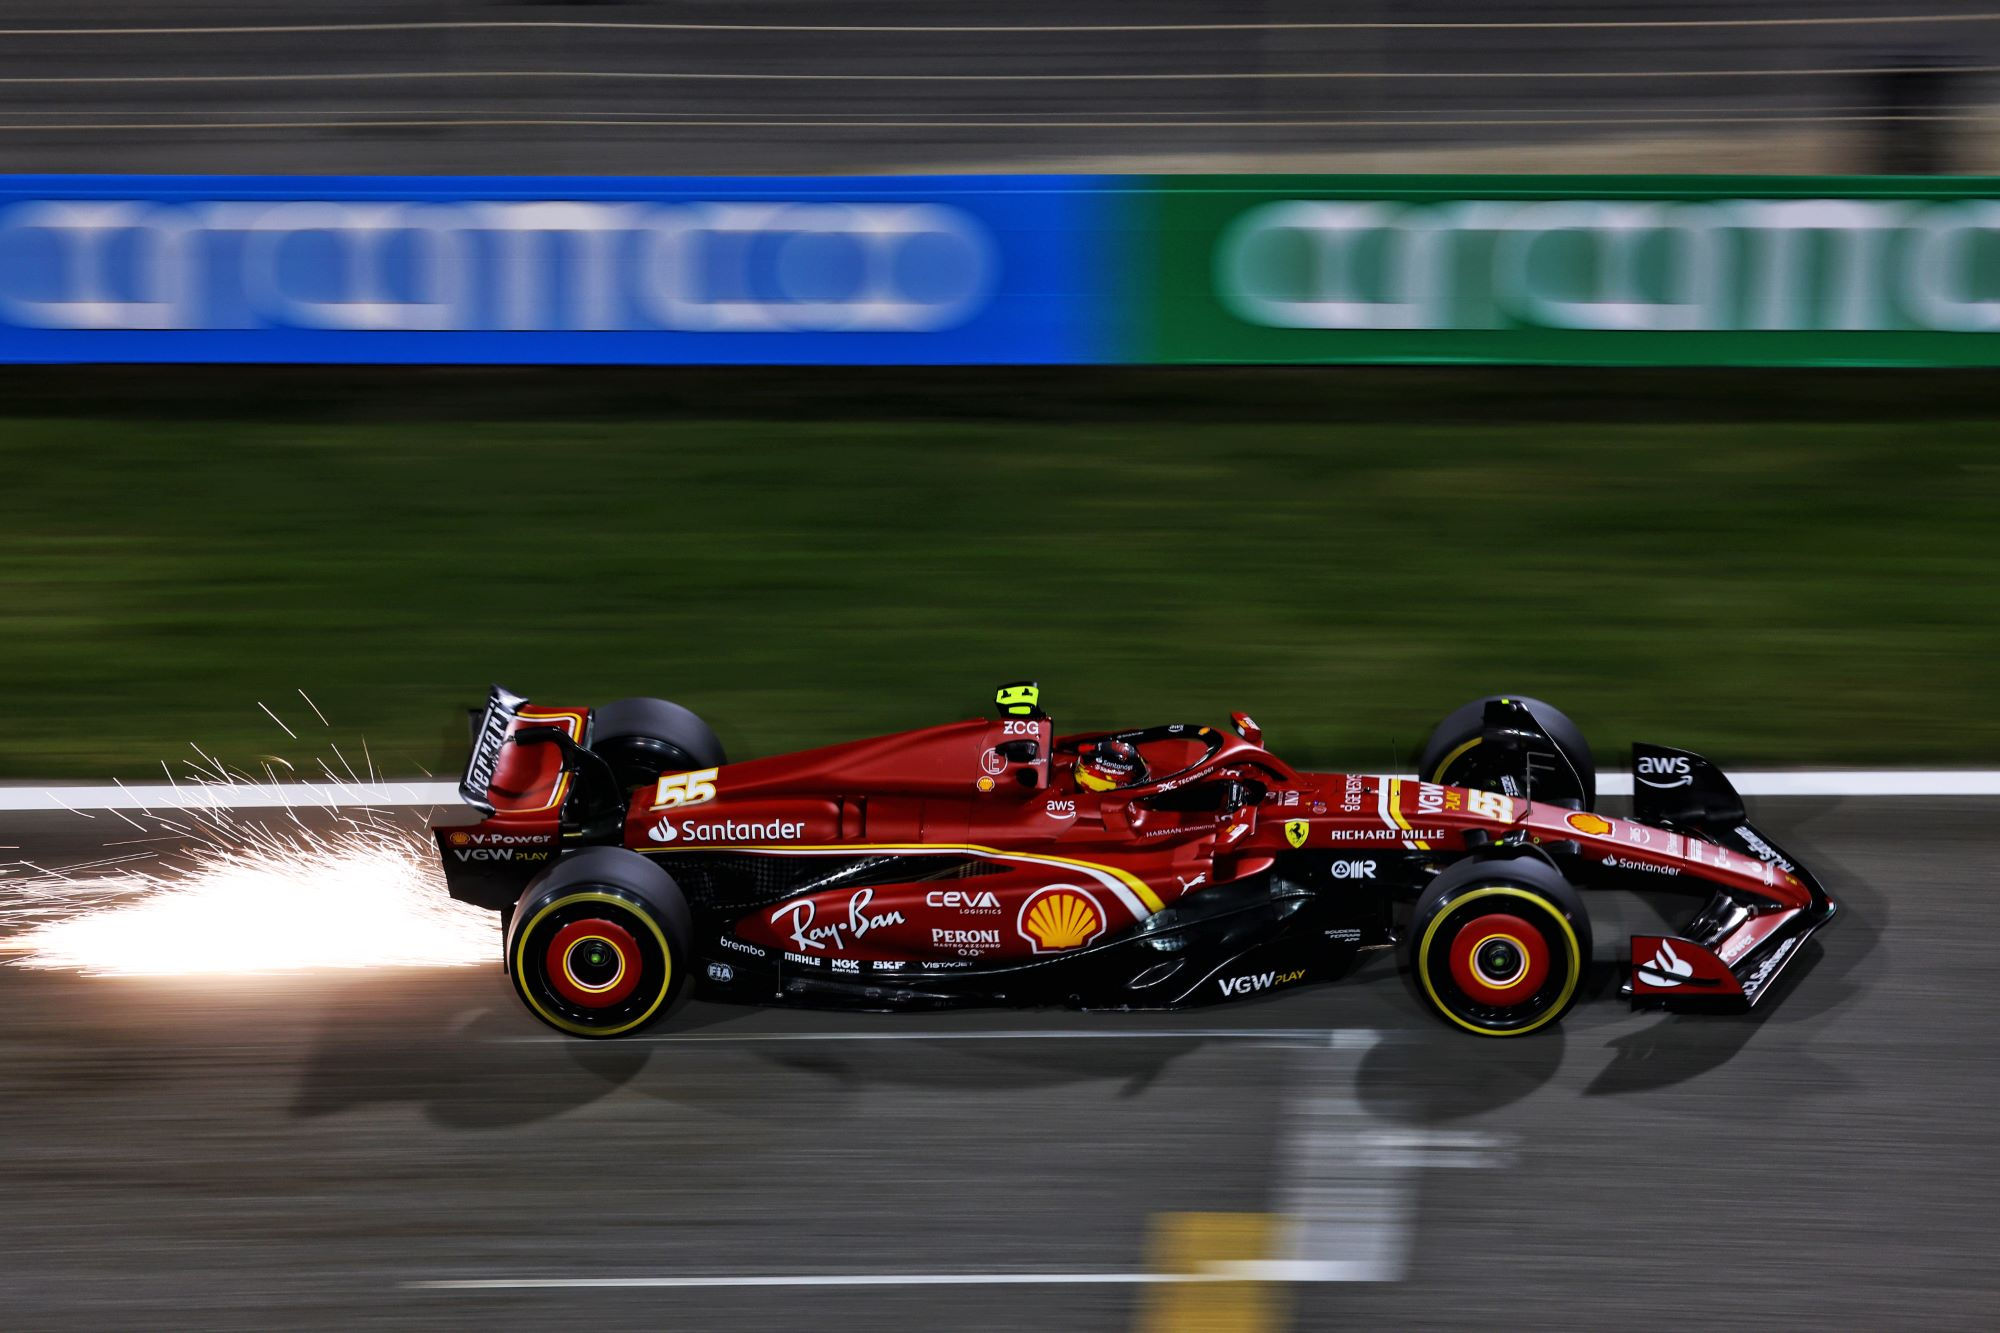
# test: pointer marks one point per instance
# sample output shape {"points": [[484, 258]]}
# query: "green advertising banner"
{"points": [[1597, 269]]}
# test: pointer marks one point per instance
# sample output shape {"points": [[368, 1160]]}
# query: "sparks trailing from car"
{"points": [[995, 862]]}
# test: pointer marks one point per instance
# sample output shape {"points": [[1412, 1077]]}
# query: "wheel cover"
{"points": [[557, 977], [1500, 960], [594, 963]]}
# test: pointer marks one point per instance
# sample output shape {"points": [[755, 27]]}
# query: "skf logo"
{"points": [[1583, 822], [1060, 917], [1665, 771], [1295, 832], [1262, 981]]}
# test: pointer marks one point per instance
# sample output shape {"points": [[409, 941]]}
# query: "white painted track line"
{"points": [[234, 796], [1316, 1036], [829, 1280], [409, 795]]}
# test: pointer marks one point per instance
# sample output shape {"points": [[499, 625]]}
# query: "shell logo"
{"points": [[460, 839], [1060, 917], [1595, 825]]}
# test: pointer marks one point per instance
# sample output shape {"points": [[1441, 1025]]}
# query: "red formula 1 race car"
{"points": [[995, 862]]}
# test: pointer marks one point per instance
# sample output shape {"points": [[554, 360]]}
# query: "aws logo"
{"points": [[1665, 771], [1060, 917]]}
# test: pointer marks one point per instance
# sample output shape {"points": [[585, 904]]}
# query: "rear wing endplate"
{"points": [[490, 730]]}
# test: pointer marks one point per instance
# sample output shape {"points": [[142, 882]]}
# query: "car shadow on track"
{"points": [[1832, 969], [472, 1071]]}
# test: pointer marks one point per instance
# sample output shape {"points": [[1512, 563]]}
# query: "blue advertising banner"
{"points": [[463, 269]]}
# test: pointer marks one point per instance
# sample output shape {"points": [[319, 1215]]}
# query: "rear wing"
{"points": [[503, 776], [491, 727]]}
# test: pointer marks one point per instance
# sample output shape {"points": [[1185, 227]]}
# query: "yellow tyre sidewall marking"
{"points": [[1446, 762], [1501, 891], [631, 909]]}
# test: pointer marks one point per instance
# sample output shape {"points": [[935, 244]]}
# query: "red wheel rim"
{"points": [[594, 963], [1499, 959]]}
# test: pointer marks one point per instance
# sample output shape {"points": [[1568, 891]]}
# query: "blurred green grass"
{"points": [[1770, 593]]}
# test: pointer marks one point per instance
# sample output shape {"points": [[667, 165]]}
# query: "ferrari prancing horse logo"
{"points": [[1295, 832]]}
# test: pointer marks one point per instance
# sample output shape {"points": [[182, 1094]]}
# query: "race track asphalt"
{"points": [[308, 1152]]}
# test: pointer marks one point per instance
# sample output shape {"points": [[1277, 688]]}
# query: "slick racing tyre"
{"points": [[600, 943], [1499, 947], [643, 738], [1458, 756]]}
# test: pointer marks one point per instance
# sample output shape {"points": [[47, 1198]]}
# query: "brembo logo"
{"points": [[1675, 769], [726, 830]]}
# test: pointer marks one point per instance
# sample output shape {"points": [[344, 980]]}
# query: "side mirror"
{"points": [[1246, 727]]}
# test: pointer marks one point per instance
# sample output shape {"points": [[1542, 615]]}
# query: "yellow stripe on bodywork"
{"points": [[1140, 889], [1396, 812]]}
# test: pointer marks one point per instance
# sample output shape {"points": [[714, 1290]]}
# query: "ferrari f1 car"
{"points": [[996, 862]]}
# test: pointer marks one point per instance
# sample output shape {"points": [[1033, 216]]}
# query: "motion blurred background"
{"points": [[1336, 362], [809, 86], [810, 550]]}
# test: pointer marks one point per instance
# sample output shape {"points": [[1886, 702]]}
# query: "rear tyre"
{"points": [[643, 738], [600, 944], [1499, 947], [1458, 756]]}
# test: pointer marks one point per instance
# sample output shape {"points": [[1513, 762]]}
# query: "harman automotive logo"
{"points": [[367, 264]]}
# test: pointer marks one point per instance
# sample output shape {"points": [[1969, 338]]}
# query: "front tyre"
{"points": [[600, 944], [1499, 947], [1458, 754]]}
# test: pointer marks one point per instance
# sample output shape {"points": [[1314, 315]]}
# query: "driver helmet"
{"points": [[1108, 765]]}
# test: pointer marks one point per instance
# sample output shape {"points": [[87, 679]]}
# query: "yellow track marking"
{"points": [[1191, 1243]]}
